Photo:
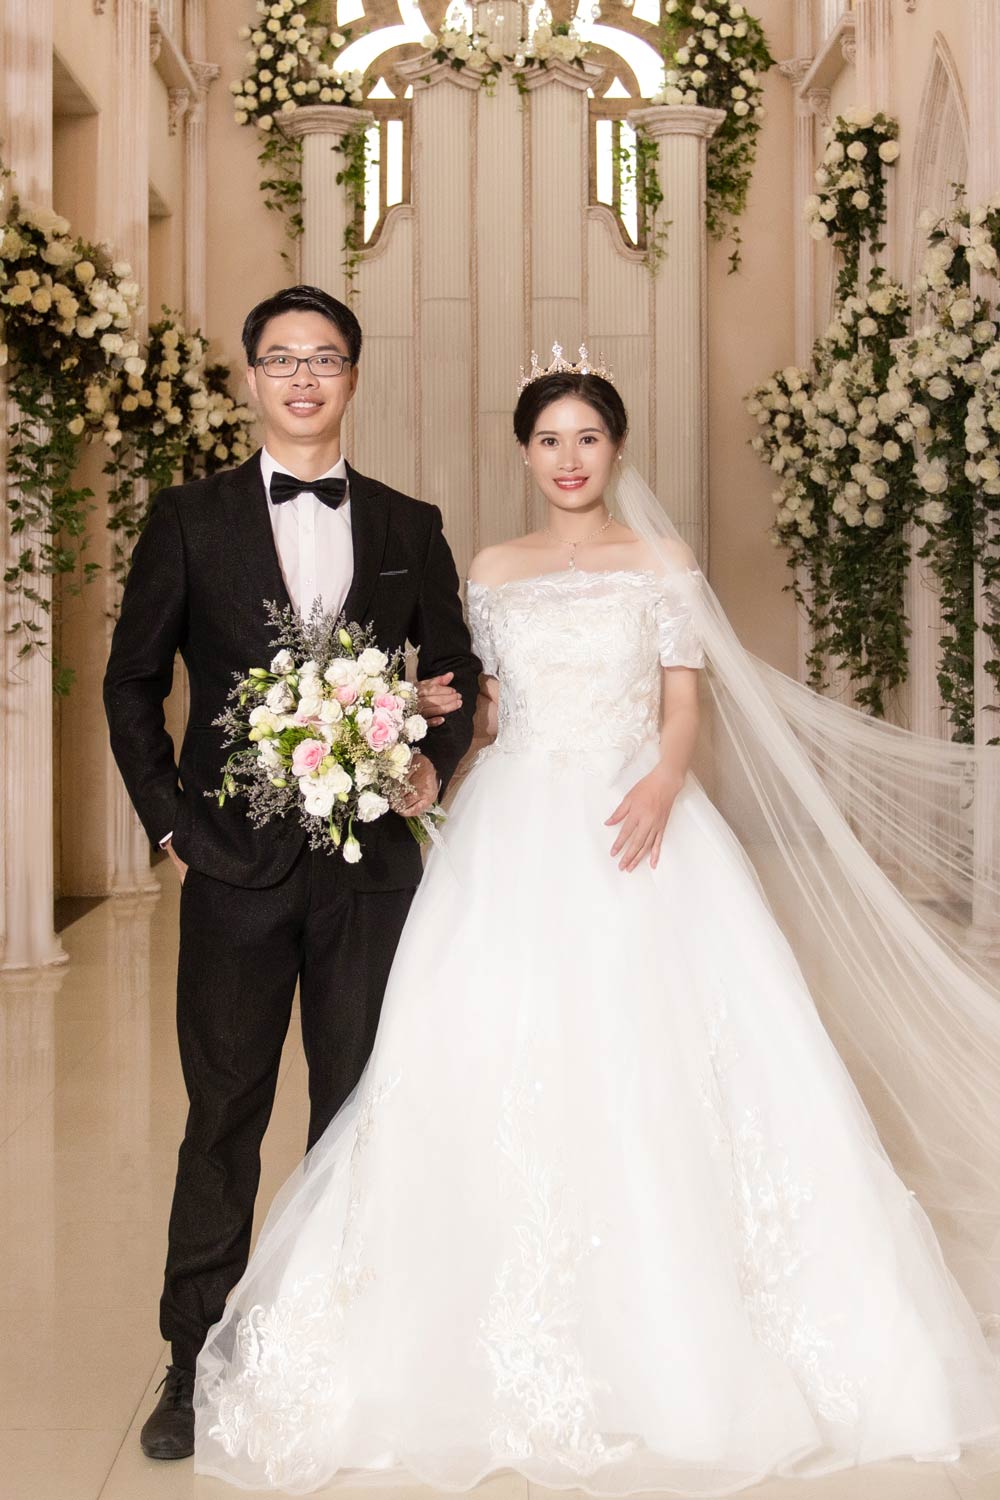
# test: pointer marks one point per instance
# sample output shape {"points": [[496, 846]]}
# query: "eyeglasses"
{"points": [[323, 366]]}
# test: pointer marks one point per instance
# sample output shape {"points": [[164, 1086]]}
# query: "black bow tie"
{"points": [[285, 487]]}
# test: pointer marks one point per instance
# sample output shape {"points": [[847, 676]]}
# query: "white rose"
{"points": [[398, 760], [933, 477], [860, 199], [988, 469], [371, 662], [876, 489], [371, 806], [415, 728], [889, 150], [939, 388], [867, 327], [741, 107], [857, 151], [934, 512], [962, 311]]}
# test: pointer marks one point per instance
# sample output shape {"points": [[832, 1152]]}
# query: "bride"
{"points": [[607, 1208]]}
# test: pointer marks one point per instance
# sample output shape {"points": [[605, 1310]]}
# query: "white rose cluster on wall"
{"points": [[887, 429]]}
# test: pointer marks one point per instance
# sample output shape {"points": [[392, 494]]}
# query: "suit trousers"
{"points": [[241, 953]]}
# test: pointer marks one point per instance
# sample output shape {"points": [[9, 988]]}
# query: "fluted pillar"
{"points": [[326, 210], [680, 467], [128, 214], [27, 937], [983, 183], [196, 166]]}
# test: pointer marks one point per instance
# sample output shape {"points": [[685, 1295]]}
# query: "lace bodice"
{"points": [[578, 655]]}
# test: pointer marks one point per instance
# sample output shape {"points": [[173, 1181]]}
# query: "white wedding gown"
{"points": [[605, 1208]]}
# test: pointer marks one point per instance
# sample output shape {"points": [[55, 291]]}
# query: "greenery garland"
{"points": [[636, 168], [716, 56], [352, 176]]}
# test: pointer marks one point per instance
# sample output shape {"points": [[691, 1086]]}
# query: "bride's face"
{"points": [[570, 454]]}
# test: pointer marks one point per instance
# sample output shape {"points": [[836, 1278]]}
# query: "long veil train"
{"points": [[877, 851]]}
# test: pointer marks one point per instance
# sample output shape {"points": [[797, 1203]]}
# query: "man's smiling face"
{"points": [[303, 407]]}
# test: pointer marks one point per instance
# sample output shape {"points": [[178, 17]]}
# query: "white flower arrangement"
{"points": [[550, 42], [67, 310], [324, 733], [716, 56], [891, 427], [848, 206], [290, 63]]}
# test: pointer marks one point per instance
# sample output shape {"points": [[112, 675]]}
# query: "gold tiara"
{"points": [[561, 365]]}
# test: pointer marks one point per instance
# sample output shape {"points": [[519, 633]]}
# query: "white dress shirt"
{"points": [[314, 545], [313, 541]]}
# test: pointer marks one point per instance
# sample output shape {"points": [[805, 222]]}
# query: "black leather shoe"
{"points": [[168, 1431]]}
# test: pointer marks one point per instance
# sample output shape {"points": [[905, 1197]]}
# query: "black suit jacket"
{"points": [[200, 574]]}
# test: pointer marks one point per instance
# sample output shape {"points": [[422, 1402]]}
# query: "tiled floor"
{"points": [[91, 1110]]}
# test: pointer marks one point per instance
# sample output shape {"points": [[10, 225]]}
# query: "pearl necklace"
{"points": [[579, 543]]}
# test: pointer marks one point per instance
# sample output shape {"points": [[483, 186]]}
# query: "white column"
{"points": [[27, 938], [983, 182], [680, 474], [326, 210], [127, 205], [196, 166]]}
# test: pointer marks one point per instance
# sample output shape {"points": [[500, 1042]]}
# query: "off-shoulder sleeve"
{"points": [[678, 639], [481, 626]]}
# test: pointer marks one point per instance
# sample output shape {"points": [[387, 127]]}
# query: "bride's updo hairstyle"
{"points": [[593, 389]]}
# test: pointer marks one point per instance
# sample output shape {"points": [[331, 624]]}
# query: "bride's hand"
{"points": [[642, 814]]}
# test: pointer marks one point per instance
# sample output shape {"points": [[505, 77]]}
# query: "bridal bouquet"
{"points": [[324, 731]]}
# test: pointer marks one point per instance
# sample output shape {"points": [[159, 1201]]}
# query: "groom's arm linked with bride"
{"points": [[260, 911]]}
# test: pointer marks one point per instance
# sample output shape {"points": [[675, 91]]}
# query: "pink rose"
{"points": [[383, 730], [390, 702], [346, 694], [306, 756]]}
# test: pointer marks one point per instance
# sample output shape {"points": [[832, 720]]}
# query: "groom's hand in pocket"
{"points": [[176, 861], [437, 698]]}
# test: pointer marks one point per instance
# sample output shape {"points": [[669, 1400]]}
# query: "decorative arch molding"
{"points": [[941, 155]]}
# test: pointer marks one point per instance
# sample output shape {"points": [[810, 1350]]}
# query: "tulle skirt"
{"points": [[605, 1209]]}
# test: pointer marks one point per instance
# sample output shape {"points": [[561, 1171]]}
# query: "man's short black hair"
{"points": [[301, 299]]}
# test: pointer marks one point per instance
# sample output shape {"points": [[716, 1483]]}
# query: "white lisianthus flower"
{"points": [[280, 698], [282, 663], [371, 806], [262, 717], [351, 850], [372, 661]]}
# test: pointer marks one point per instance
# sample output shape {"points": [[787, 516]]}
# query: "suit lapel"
{"points": [[369, 528], [250, 525]]}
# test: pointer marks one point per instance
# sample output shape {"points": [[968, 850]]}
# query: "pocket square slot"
{"points": [[394, 573]]}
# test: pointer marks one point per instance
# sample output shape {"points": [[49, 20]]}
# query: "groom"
{"points": [[260, 912]]}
